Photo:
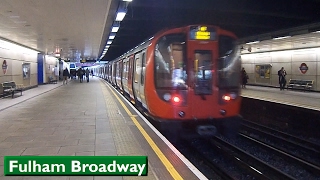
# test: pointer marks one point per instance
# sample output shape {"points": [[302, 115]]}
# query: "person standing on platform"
{"points": [[87, 74], [65, 75], [282, 78], [80, 74], [244, 78], [91, 73]]}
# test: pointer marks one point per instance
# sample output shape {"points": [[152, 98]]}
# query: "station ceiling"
{"points": [[79, 29]]}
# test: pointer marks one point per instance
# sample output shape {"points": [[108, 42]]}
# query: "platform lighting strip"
{"points": [[5, 44], [253, 42], [282, 37], [121, 13]]}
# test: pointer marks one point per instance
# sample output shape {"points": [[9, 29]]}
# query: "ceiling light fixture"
{"points": [[115, 29], [120, 15], [112, 35]]}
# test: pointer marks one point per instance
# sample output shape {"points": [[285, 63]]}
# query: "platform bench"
{"points": [[300, 84], [9, 88], [52, 80]]}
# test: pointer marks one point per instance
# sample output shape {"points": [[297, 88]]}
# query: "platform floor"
{"points": [[305, 99], [86, 119]]}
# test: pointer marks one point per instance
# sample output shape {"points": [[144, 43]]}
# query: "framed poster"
{"points": [[263, 71], [26, 70]]}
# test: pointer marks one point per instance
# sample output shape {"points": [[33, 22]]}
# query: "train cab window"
{"points": [[228, 63], [170, 62]]}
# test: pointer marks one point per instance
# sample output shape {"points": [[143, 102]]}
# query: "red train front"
{"points": [[188, 74]]}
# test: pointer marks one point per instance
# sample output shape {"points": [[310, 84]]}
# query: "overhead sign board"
{"points": [[202, 33]]}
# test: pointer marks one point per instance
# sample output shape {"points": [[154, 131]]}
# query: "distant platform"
{"points": [[305, 99]]}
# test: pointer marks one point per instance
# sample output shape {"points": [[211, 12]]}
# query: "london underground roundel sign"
{"points": [[303, 68]]}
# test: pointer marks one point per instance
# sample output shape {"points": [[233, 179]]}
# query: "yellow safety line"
{"points": [[174, 173]]}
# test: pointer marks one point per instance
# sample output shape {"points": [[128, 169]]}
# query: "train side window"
{"points": [[143, 65]]}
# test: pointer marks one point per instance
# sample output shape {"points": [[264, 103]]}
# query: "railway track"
{"points": [[292, 145], [229, 161], [257, 153]]}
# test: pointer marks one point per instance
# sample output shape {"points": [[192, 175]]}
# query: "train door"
{"points": [[130, 78], [114, 73], [142, 79], [139, 78], [136, 76], [119, 75], [110, 73], [125, 76], [201, 66], [106, 71]]}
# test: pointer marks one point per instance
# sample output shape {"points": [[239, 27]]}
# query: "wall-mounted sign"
{"points": [[4, 66], [303, 68]]}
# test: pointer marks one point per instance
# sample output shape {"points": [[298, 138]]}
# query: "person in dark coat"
{"points": [[87, 74], [282, 78], [65, 75], [244, 78], [80, 74]]}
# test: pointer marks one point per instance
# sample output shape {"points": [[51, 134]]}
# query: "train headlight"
{"points": [[166, 96], [229, 96], [226, 97], [174, 97], [233, 95]]}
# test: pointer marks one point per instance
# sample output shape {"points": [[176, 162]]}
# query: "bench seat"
{"points": [[9, 88], [52, 80], [300, 84]]}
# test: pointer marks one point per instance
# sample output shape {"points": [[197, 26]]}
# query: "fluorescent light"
{"points": [[112, 36], [114, 29], [120, 16], [253, 42], [127, 0], [109, 42], [283, 37]]}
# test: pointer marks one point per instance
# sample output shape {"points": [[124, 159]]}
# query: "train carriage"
{"points": [[187, 74]]}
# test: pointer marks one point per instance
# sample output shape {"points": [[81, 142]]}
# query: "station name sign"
{"points": [[75, 165]]}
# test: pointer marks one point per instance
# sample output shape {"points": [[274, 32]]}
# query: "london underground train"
{"points": [[189, 75]]}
